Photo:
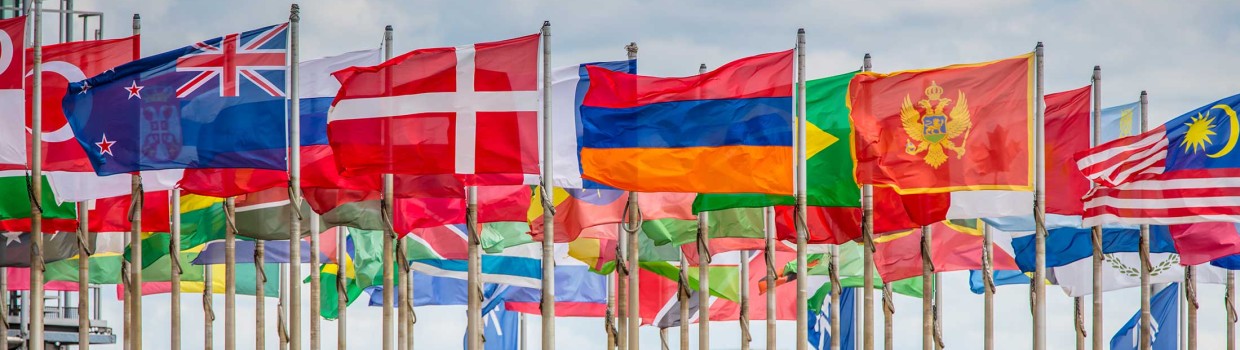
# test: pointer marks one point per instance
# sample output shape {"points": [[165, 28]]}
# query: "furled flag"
{"points": [[218, 103], [1172, 174], [568, 89], [316, 86], [12, 99], [828, 154], [468, 111], [1165, 329], [956, 128], [725, 131], [820, 323]]}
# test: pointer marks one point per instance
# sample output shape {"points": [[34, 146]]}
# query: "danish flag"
{"points": [[233, 61]]}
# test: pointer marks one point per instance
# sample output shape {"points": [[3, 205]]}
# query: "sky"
{"points": [[1180, 52]]}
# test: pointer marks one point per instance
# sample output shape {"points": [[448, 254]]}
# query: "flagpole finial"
{"points": [[1039, 45], [137, 22], [800, 30], [702, 68], [1143, 94], [294, 14], [388, 28], [546, 23], [1097, 68], [867, 56], [631, 48]]}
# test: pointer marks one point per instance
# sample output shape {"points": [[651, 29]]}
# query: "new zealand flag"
{"points": [[218, 103]]}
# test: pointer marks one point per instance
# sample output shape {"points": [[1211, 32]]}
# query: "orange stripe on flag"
{"points": [[728, 169]]}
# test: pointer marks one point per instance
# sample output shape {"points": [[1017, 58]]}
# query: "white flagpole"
{"points": [[1097, 230], [1229, 298], [1039, 211], [260, 302], [1190, 295], [703, 246], [927, 291], [632, 225], [1144, 247], [988, 284], [548, 242], [175, 248], [342, 295], [208, 308], [36, 188], [867, 255], [768, 220], [744, 312], [84, 253], [294, 184], [836, 290], [474, 276], [388, 234], [230, 274], [802, 231]]}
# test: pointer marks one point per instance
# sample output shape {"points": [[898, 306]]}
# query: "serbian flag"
{"points": [[725, 131], [469, 111], [956, 128]]}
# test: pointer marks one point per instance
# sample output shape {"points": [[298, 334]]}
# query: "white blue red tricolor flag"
{"points": [[219, 103]]}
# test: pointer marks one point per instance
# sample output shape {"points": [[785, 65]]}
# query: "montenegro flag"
{"points": [[957, 128]]}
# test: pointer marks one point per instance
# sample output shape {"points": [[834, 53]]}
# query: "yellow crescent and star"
{"points": [[934, 130], [1202, 126]]}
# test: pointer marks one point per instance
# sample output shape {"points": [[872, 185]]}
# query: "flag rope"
{"points": [[36, 205]]}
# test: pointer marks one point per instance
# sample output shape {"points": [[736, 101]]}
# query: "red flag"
{"points": [[1067, 133], [62, 64], [954, 246], [727, 310], [230, 182], [469, 111], [112, 214], [495, 204], [1202, 242]]}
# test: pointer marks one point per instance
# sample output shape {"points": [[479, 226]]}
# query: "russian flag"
{"points": [[725, 131]]}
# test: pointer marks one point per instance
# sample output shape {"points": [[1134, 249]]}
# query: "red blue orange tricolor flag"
{"points": [[725, 131]]}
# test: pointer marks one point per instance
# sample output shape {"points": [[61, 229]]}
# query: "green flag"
{"points": [[16, 203], [724, 280], [734, 223], [828, 151], [851, 275]]}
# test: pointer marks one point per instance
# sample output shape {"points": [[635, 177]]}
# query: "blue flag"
{"points": [[1001, 278], [1066, 245], [1164, 308], [219, 103], [820, 323], [1119, 121]]}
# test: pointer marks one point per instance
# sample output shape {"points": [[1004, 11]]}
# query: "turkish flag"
{"points": [[957, 128], [62, 64]]}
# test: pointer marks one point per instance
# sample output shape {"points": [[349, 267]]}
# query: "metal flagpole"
{"points": [[1229, 298], [1190, 295], [889, 310], [474, 289], [282, 310], [703, 246], [230, 274], [1039, 211], [802, 233], [1144, 247], [927, 291], [768, 220], [407, 275], [744, 316], [609, 315], [633, 222], [938, 311], [342, 295], [836, 289], [683, 292], [867, 255], [260, 302], [294, 185], [208, 308], [174, 243], [988, 286], [36, 188], [1097, 230], [548, 243], [621, 282], [388, 230], [402, 285], [83, 276]]}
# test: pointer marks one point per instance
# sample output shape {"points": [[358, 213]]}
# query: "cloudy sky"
{"points": [[1179, 52]]}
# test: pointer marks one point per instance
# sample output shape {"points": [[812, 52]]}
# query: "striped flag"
{"points": [[1180, 172]]}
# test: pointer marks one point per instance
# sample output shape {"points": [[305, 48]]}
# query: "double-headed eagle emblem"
{"points": [[933, 130]]}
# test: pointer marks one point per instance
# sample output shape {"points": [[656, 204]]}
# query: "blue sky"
{"points": [[1183, 53]]}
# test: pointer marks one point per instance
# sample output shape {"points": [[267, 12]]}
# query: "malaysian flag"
{"points": [[1181, 172]]}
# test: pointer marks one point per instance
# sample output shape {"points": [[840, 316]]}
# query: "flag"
{"points": [[519, 266], [1164, 325], [15, 251], [1067, 118], [1119, 121], [729, 223], [659, 302], [469, 111], [954, 246], [568, 89], [577, 210], [112, 214], [267, 215], [12, 99], [495, 204], [820, 323], [1177, 170], [501, 327], [727, 310], [1001, 278], [15, 209], [851, 274], [692, 134], [276, 252], [1123, 270], [84, 186], [827, 150], [316, 88], [202, 221], [578, 292], [218, 103], [956, 128], [1068, 244]]}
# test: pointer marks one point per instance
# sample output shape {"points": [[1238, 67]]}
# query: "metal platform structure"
{"points": [[60, 317]]}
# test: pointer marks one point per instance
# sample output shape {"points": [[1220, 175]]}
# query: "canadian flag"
{"points": [[469, 111]]}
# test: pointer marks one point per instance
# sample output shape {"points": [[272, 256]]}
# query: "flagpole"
{"points": [[388, 230], [230, 274], [36, 187], [83, 276], [927, 291], [174, 247], [1039, 211], [474, 289], [342, 292], [1190, 294], [744, 316], [802, 231], [294, 184], [633, 222], [703, 246], [768, 223], [260, 303], [889, 311], [548, 242], [208, 308], [621, 283], [988, 286], [1144, 247], [402, 286], [609, 314], [1097, 230], [682, 293], [1229, 299], [836, 289], [282, 311], [867, 255]]}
